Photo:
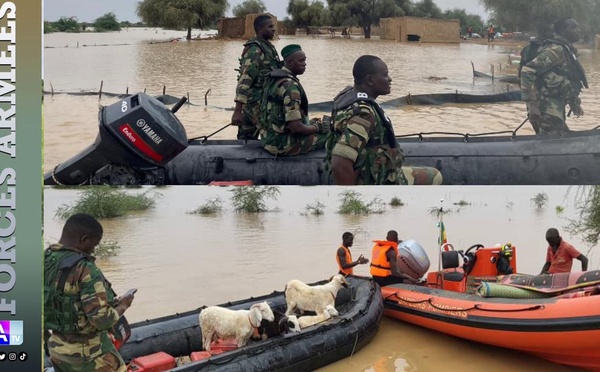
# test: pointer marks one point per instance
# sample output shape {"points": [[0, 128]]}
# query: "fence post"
{"points": [[206, 97]]}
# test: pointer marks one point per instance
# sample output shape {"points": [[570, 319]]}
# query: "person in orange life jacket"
{"points": [[344, 257], [560, 255], [384, 268]]}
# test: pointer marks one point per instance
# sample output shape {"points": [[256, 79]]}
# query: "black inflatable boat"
{"points": [[141, 142], [360, 308]]}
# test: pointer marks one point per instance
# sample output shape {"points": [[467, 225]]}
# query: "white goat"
{"points": [[299, 296], [310, 320], [219, 322]]}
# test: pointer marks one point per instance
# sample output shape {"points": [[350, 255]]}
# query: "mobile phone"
{"points": [[130, 292]]}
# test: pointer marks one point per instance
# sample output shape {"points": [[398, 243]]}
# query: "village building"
{"points": [[424, 30]]}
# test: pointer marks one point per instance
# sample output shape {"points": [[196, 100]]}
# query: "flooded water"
{"points": [[179, 261], [70, 122]]}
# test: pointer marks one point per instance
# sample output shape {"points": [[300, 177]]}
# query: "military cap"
{"points": [[288, 50]]}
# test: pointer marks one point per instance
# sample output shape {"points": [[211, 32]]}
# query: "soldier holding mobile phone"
{"points": [[80, 307]]}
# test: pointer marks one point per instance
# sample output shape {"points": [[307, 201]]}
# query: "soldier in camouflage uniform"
{"points": [[363, 148], [258, 59], [284, 125], [553, 79], [528, 53], [80, 306]]}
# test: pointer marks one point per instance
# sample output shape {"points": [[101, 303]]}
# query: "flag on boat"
{"points": [[442, 238]]}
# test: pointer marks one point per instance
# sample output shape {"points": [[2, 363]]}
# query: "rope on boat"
{"points": [[465, 136], [474, 307], [355, 339]]}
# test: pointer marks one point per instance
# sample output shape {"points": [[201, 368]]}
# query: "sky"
{"points": [[88, 10]]}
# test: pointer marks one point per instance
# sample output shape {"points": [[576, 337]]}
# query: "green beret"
{"points": [[288, 50]]}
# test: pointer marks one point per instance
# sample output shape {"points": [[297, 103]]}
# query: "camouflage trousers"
{"points": [[412, 176], [81, 357], [552, 119], [422, 176], [109, 362], [249, 128], [293, 145]]}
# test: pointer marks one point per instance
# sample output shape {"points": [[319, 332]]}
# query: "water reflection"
{"points": [[196, 67], [180, 261]]}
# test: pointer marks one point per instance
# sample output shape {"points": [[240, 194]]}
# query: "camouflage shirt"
{"points": [[360, 135], [258, 59], [284, 101], [554, 73], [94, 307]]}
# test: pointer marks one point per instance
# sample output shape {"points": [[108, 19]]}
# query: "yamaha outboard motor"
{"points": [[137, 136], [412, 259]]}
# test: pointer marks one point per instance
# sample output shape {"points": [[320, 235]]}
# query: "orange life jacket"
{"points": [[380, 266], [349, 271]]}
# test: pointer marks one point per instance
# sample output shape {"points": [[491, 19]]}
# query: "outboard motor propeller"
{"points": [[137, 136]]}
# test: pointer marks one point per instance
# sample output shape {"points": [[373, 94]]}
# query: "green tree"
{"points": [[181, 14], [249, 7], [466, 19], [305, 13], [66, 24], [521, 15], [587, 225], [365, 13], [427, 9], [107, 22], [339, 15], [49, 27]]}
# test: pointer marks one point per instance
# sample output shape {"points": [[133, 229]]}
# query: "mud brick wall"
{"points": [[429, 30], [241, 27], [232, 27]]}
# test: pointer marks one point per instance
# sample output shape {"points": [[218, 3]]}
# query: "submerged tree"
{"points": [[107, 202], [249, 7], [181, 14], [107, 22], [66, 24], [588, 223], [251, 199]]}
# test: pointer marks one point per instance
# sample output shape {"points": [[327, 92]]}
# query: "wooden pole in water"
{"points": [[164, 89], [100, 93], [52, 89], [127, 90], [206, 97]]}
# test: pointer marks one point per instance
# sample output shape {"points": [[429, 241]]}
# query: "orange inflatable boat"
{"points": [[556, 317]]}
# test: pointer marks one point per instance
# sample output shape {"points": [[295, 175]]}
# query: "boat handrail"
{"points": [[474, 307]]}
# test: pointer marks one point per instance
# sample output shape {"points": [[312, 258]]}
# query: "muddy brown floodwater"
{"points": [[70, 122], [179, 261]]}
